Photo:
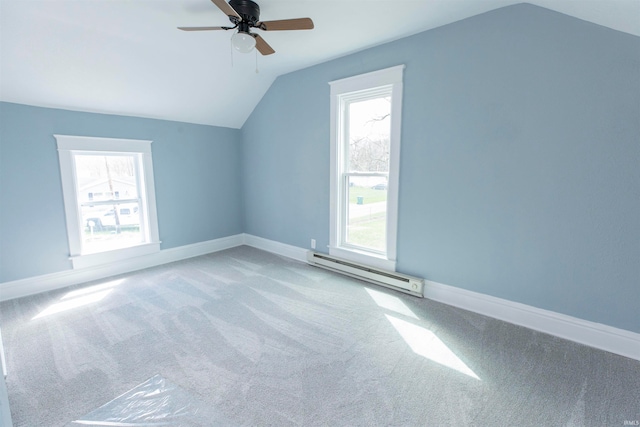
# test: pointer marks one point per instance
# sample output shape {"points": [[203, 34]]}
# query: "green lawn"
{"points": [[369, 233], [369, 195], [111, 229], [108, 233]]}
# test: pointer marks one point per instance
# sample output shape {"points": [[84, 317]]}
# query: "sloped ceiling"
{"points": [[127, 57]]}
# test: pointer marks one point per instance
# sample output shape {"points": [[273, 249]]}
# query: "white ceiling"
{"points": [[127, 57]]}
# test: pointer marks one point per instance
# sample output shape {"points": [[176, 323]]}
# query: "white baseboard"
{"points": [[614, 340], [603, 337], [33, 285], [294, 252]]}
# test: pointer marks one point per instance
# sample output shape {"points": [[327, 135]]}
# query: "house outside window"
{"points": [[365, 158], [109, 199]]}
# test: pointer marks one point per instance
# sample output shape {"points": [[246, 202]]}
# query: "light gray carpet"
{"points": [[264, 340]]}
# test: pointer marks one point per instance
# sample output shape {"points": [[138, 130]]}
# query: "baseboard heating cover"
{"points": [[399, 282]]}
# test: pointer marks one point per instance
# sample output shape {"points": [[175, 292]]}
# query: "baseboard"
{"points": [[603, 337], [34, 285], [293, 252]]}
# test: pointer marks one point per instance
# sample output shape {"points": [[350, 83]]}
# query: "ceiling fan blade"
{"points": [[286, 24], [226, 8], [201, 28], [262, 46]]}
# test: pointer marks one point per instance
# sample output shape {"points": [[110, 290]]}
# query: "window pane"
{"points": [[367, 213], [109, 227], [115, 225], [369, 135], [105, 177]]}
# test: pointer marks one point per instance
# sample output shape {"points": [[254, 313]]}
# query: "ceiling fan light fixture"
{"points": [[243, 42]]}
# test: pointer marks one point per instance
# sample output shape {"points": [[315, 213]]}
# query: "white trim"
{"points": [[366, 258], [118, 255], [68, 146], [148, 189], [368, 80], [603, 337], [394, 168], [277, 248], [90, 143], [34, 285], [356, 87], [70, 199], [334, 203]]}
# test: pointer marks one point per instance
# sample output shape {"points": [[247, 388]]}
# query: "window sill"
{"points": [[93, 260], [363, 257]]}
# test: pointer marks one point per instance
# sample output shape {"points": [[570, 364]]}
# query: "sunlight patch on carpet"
{"points": [[425, 343], [390, 302], [80, 298], [421, 340]]}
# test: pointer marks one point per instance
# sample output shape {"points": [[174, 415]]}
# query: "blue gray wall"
{"points": [[196, 173], [520, 163]]}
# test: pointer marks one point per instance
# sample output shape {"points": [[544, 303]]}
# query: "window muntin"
{"points": [[365, 149]]}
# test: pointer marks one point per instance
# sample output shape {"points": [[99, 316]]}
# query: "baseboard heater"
{"points": [[399, 282]]}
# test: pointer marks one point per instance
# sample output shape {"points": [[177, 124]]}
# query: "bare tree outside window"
{"points": [[370, 124], [368, 163]]}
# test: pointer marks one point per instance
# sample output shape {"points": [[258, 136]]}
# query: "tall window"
{"points": [[109, 198], [365, 150]]}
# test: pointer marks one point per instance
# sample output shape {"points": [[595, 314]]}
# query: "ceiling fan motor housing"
{"points": [[247, 9]]}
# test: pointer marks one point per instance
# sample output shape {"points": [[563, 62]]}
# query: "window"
{"points": [[365, 159], [109, 199]]}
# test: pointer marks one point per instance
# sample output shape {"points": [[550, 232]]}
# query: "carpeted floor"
{"points": [[263, 340]]}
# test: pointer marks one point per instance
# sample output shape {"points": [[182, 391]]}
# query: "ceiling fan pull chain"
{"points": [[231, 51], [257, 61]]}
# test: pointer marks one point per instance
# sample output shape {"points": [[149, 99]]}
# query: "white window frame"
{"points": [[68, 147], [343, 91]]}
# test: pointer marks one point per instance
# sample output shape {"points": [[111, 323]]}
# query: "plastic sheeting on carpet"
{"points": [[155, 402]]}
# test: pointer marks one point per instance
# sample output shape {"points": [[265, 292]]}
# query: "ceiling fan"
{"points": [[244, 15]]}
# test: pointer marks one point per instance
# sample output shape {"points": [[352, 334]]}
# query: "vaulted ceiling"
{"points": [[127, 57]]}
